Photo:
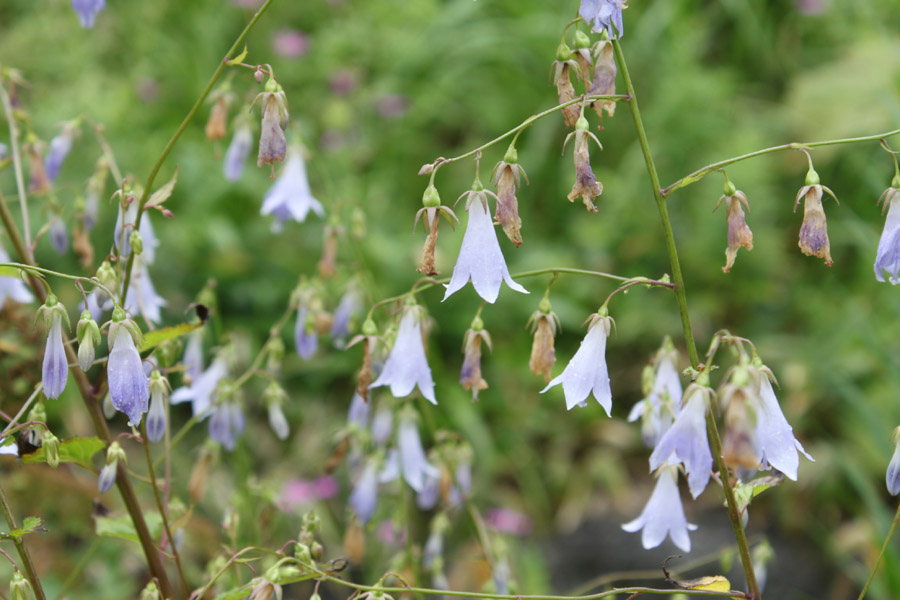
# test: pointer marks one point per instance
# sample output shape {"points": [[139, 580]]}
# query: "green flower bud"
{"points": [[106, 275], [431, 198], [582, 123], [582, 40], [895, 182], [115, 453], [563, 53], [19, 588], [51, 449], [369, 328], [545, 306], [167, 353], [150, 592], [477, 324], [275, 354], [812, 178], [511, 156], [137, 242], [728, 189], [118, 315]]}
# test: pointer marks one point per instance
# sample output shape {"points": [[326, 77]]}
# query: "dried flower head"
{"points": [[506, 176], [544, 324], [604, 79], [739, 234], [272, 145], [563, 65], [813, 231], [470, 377], [433, 211], [586, 184]]}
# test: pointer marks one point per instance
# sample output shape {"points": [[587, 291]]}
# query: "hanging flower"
{"points": [[344, 315], [813, 231], [604, 15], [88, 333], [892, 477], [663, 398], [604, 80], [470, 377], [156, 416], [202, 389], [586, 185], [87, 11], [59, 150], [58, 235], [406, 366], [562, 79], [226, 422], [887, 259], [237, 152], [506, 176], [587, 372], [290, 196], [272, 145], [274, 398], [739, 234], [108, 473], [142, 297], [218, 117], [544, 324], [433, 211], [382, 424], [12, 287], [192, 359], [686, 443], [480, 258], [306, 340], [55, 369], [364, 497], [128, 385], [775, 438], [358, 413], [663, 515], [413, 463]]}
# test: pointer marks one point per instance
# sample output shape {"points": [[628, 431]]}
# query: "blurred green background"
{"points": [[383, 86]]}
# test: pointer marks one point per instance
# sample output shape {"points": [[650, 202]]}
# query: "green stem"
{"points": [[887, 540], [712, 168], [17, 165], [681, 298], [15, 419], [35, 269], [163, 513], [30, 573], [518, 128], [96, 413], [148, 184]]}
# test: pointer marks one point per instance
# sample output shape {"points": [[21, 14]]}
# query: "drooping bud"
{"points": [[562, 80], [506, 176], [739, 234], [813, 231], [156, 416], [106, 275], [137, 242], [470, 377], [272, 145], [51, 449], [150, 592], [19, 588], [274, 397], [543, 327], [328, 263], [88, 334], [274, 354], [55, 369], [108, 473]]}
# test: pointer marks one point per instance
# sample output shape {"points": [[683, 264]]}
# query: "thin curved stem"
{"points": [[30, 572], [76, 278], [681, 298], [712, 168], [887, 540]]}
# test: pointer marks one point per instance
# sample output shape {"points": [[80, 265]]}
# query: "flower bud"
{"points": [[259, 74], [582, 40], [150, 592], [431, 198], [51, 449], [88, 334], [19, 588], [107, 276], [156, 416], [274, 397], [137, 243], [107, 477]]}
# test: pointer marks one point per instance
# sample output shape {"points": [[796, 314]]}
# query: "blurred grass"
{"points": [[715, 79]]}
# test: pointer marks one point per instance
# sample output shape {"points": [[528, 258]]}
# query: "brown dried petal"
{"points": [[507, 213], [328, 264], [566, 92], [604, 83], [583, 58], [739, 234], [426, 265], [543, 355], [586, 184], [813, 231], [738, 445], [215, 126], [39, 181], [470, 377], [365, 373], [272, 145]]}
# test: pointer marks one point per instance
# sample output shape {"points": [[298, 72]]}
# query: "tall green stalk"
{"points": [[681, 298]]}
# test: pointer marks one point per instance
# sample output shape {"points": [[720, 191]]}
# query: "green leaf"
{"points": [[238, 59], [7, 271], [236, 593], [162, 194], [30, 525], [76, 450], [158, 336]]}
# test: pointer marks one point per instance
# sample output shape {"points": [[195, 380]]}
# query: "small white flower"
{"points": [[406, 366], [413, 463], [202, 388], [587, 372], [775, 438], [290, 196], [663, 515]]}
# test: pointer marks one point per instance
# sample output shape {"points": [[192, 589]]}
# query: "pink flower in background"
{"points": [[811, 7], [392, 106], [507, 520], [299, 492], [290, 43]]}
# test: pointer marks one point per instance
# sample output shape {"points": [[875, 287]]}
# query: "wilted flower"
{"points": [[480, 258], [775, 438], [470, 377], [413, 464], [586, 184], [813, 231], [327, 265], [306, 340], [663, 400], [202, 389], [663, 515], [218, 116], [587, 371], [237, 152], [433, 211], [290, 196], [888, 258], [364, 497], [406, 366], [88, 333], [892, 477], [128, 385], [272, 145], [686, 442], [59, 149], [12, 287], [55, 369], [156, 416], [739, 235], [506, 176], [87, 11], [604, 15], [604, 80], [562, 79], [544, 323]]}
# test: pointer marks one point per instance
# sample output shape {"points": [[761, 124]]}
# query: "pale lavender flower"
{"points": [[406, 366], [659, 408], [226, 423], [775, 438], [413, 463], [278, 422], [391, 468], [107, 477], [892, 477], [604, 15], [59, 150], [587, 371], [156, 418], [59, 235], [663, 515], [192, 359], [382, 424], [202, 390], [238, 152], [428, 497], [888, 256], [480, 258], [128, 384], [364, 497], [12, 287], [305, 341], [686, 441], [359, 411], [348, 307], [87, 11], [142, 297], [290, 196], [55, 369]]}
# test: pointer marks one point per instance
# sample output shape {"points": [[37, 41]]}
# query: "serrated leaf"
{"points": [[158, 336], [162, 194], [75, 450], [30, 525], [239, 58], [745, 492]]}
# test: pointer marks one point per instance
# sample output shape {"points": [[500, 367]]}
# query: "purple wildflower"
{"points": [[237, 153], [290, 196], [413, 463], [306, 340], [604, 15], [892, 477], [55, 368], [364, 497], [587, 371], [87, 11], [142, 297], [406, 366], [431, 492], [59, 149], [202, 389], [888, 257], [686, 442], [359, 411], [480, 258], [192, 359], [663, 515], [107, 477], [226, 423], [156, 416], [346, 310], [128, 385]]}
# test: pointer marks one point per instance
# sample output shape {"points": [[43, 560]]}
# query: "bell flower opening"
{"points": [[290, 196], [587, 373], [407, 366], [128, 384], [663, 515], [686, 441]]}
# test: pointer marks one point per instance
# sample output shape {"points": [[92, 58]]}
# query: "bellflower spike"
{"points": [[364, 497], [413, 463], [480, 258], [604, 15], [290, 196], [587, 372], [156, 416], [686, 442], [128, 384], [55, 368], [892, 477], [87, 11], [59, 150], [12, 287], [663, 515], [775, 438], [237, 153], [888, 258], [406, 366]]}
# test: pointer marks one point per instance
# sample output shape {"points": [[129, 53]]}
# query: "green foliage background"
{"points": [[715, 79]]}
